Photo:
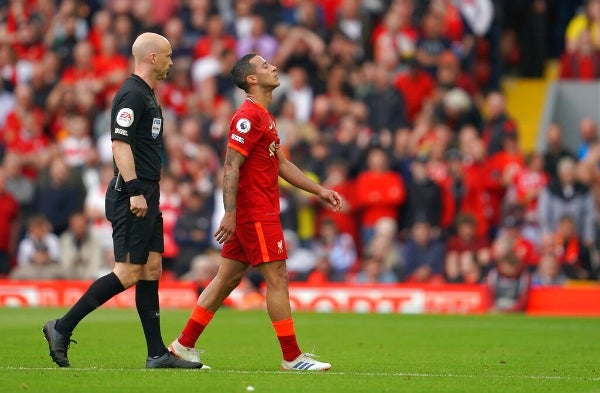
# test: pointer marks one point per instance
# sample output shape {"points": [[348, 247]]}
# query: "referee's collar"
{"points": [[140, 80]]}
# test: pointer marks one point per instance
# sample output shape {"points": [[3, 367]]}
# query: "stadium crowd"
{"points": [[396, 104]]}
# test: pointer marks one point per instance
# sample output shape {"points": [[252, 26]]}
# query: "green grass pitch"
{"points": [[369, 353]]}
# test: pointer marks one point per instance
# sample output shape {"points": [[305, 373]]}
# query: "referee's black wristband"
{"points": [[134, 187]]}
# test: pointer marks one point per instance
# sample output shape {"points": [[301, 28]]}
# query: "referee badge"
{"points": [[156, 126]]}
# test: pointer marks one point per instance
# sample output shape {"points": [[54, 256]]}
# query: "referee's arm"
{"points": [[124, 159]]}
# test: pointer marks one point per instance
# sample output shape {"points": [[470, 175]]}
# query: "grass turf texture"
{"points": [[369, 353]]}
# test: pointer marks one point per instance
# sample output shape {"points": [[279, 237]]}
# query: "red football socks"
{"points": [[286, 335], [194, 327]]}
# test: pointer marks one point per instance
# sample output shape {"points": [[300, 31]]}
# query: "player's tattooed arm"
{"points": [[231, 178]]}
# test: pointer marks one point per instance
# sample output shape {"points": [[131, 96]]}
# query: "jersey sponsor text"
{"points": [[121, 131], [237, 138]]}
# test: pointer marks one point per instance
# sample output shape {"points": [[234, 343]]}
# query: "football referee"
{"points": [[132, 206]]}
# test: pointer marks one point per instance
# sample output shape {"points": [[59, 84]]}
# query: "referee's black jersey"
{"points": [[136, 119]]}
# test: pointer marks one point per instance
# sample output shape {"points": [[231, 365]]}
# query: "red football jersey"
{"points": [[253, 134]]}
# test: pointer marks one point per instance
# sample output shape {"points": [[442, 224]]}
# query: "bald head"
{"points": [[148, 43], [152, 54]]}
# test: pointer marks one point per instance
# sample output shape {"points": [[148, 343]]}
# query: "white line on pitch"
{"points": [[362, 374]]}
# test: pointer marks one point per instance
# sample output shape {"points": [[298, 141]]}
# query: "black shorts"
{"points": [[133, 235]]}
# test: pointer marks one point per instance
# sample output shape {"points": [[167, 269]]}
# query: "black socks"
{"points": [[146, 300], [97, 294], [103, 289]]}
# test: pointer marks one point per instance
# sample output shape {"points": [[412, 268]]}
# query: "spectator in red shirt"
{"points": [[583, 62], [469, 190], [83, 71], [171, 207], [321, 274], [111, 67], [19, 115], [9, 226], [573, 256], [525, 190], [416, 86], [24, 132], [463, 247], [177, 93], [451, 19], [395, 39], [500, 172], [24, 31], [101, 25], [512, 236], [337, 179], [85, 83], [529, 181], [216, 39], [379, 192]]}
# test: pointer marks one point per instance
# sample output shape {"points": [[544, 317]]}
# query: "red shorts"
{"points": [[256, 243]]}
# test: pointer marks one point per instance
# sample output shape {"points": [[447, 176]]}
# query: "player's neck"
{"points": [[262, 98]]}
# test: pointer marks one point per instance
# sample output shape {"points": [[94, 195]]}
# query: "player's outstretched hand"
{"points": [[333, 199], [226, 229]]}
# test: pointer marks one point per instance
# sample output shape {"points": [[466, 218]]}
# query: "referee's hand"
{"points": [[138, 206]]}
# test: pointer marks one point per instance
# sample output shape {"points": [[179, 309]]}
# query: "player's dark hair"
{"points": [[241, 69]]}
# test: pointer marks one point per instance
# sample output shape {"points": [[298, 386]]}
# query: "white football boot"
{"points": [[185, 353], [305, 362]]}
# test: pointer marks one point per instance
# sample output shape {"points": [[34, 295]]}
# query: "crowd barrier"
{"points": [[401, 298]]}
